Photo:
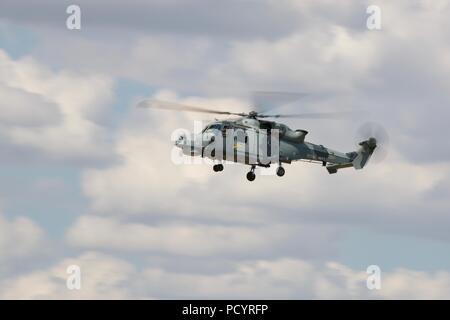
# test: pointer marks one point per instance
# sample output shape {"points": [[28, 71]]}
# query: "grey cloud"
{"points": [[230, 19]]}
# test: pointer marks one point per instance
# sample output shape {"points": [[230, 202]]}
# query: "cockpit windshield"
{"points": [[215, 126]]}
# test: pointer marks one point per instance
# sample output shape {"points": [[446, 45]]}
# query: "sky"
{"points": [[87, 179]]}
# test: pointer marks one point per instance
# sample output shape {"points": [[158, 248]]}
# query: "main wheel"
{"points": [[251, 176], [280, 171], [218, 167]]}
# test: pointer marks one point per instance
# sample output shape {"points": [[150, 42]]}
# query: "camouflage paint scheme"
{"points": [[292, 146]]}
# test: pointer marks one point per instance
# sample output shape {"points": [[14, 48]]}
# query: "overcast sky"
{"points": [[87, 178]]}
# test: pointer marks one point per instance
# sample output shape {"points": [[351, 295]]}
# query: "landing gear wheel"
{"points": [[218, 167], [280, 171], [251, 176]]}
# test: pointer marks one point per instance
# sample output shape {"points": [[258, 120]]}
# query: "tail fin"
{"points": [[364, 153]]}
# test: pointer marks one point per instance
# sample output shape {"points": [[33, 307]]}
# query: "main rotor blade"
{"points": [[311, 115], [158, 104], [263, 101]]}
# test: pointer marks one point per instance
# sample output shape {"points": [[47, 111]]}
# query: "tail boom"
{"points": [[358, 159]]}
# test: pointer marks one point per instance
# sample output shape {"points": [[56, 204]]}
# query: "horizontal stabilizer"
{"points": [[335, 167]]}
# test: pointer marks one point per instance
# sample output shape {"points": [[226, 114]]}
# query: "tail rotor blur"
{"points": [[377, 136]]}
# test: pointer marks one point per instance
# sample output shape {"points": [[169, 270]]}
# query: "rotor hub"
{"points": [[253, 114]]}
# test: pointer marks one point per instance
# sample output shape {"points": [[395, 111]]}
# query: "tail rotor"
{"points": [[376, 138]]}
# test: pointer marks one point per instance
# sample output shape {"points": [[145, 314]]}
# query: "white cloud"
{"points": [[401, 73], [182, 238], [296, 279], [149, 180], [21, 108], [102, 277], [106, 277], [149, 184], [321, 61], [76, 100], [19, 238], [410, 284]]}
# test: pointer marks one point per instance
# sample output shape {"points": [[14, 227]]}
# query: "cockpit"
{"points": [[214, 126]]}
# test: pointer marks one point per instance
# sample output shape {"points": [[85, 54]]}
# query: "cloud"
{"points": [[181, 239], [191, 239], [297, 279], [21, 108], [19, 238], [103, 277], [147, 183], [34, 97], [106, 277], [275, 232], [410, 284], [250, 18], [404, 86]]}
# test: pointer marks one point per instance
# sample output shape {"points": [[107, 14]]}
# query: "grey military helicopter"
{"points": [[291, 143]]}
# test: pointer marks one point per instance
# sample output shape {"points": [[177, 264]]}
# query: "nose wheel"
{"points": [[280, 171], [218, 167], [251, 174]]}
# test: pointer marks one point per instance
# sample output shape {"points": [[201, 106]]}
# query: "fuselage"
{"points": [[290, 144]]}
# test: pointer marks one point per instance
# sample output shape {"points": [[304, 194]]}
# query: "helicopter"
{"points": [[288, 146]]}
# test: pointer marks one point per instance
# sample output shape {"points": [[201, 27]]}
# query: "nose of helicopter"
{"points": [[180, 141]]}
